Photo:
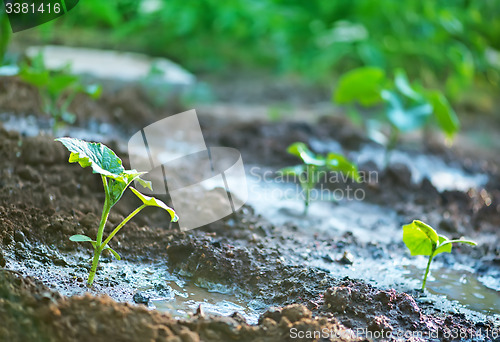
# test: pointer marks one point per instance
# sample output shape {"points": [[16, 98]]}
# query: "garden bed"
{"points": [[342, 269]]}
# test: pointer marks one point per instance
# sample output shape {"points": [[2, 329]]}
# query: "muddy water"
{"points": [[460, 284], [149, 284]]}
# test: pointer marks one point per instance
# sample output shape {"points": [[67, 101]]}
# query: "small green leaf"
{"points": [[362, 85], [83, 238], [403, 85], [443, 246], [118, 185], [96, 155], [151, 201], [443, 112], [68, 117], [80, 238], [337, 162], [93, 90], [59, 83], [116, 255], [420, 238], [37, 78], [301, 150]]}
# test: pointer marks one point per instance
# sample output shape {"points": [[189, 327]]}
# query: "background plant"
{"points": [[309, 172], [115, 180], [5, 34], [396, 103], [422, 239], [57, 89], [448, 43]]}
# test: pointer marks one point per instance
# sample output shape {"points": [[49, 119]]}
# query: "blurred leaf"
{"points": [[301, 150], [58, 83], [337, 162], [445, 115], [361, 85], [404, 87]]}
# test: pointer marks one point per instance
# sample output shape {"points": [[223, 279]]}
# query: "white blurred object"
{"points": [[112, 65]]}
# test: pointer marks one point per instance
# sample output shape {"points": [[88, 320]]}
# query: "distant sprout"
{"points": [[407, 107], [308, 173], [57, 90], [115, 180], [422, 239]]}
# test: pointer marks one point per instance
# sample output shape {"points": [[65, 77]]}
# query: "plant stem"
{"points": [[104, 218], [427, 269], [117, 229]]}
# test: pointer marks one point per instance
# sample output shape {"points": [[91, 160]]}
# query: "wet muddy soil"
{"points": [[265, 273]]}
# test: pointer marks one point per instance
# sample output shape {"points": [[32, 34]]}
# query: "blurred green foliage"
{"points": [[407, 107], [57, 89], [443, 42]]}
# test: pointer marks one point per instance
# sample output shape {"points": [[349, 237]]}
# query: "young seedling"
{"points": [[57, 90], [308, 173], [115, 180], [422, 239]]}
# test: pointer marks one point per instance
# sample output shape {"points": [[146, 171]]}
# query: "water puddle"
{"points": [[188, 297], [329, 212], [31, 126], [459, 284], [150, 284]]}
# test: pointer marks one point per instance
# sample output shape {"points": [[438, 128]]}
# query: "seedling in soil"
{"points": [[309, 172], [422, 239], [57, 90], [115, 180]]}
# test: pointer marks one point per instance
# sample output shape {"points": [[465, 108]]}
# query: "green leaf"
{"points": [[403, 85], [151, 201], [443, 112], [93, 90], [96, 155], [362, 85], [403, 119], [301, 150], [116, 255], [337, 162], [80, 238], [443, 246], [37, 78], [83, 238], [59, 83], [68, 117], [420, 238], [118, 185]]}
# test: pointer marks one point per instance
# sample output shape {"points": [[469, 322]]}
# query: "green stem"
{"points": [[427, 269], [117, 229], [104, 218], [306, 202]]}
